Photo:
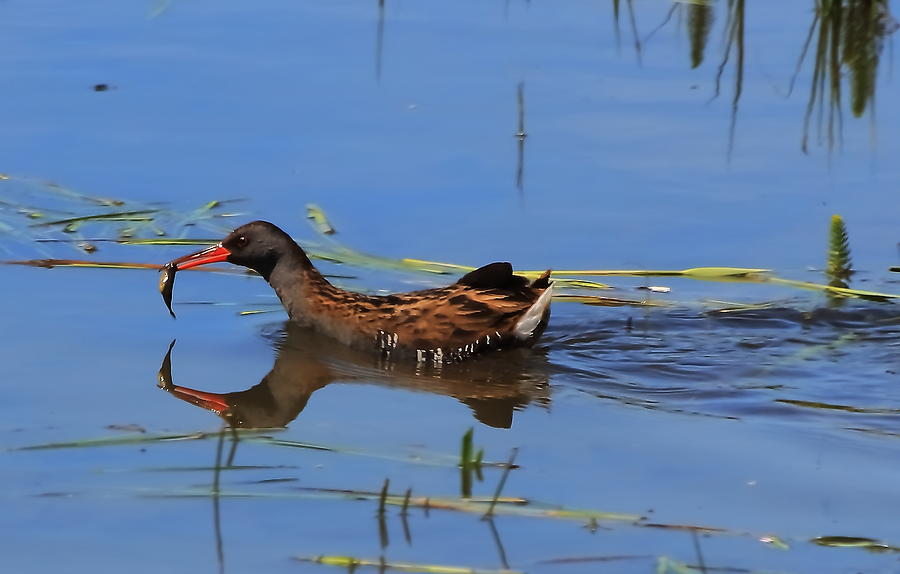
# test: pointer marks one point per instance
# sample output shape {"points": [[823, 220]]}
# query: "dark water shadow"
{"points": [[494, 386]]}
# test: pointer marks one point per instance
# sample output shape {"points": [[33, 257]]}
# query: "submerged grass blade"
{"points": [[262, 436], [598, 301], [294, 444], [42, 211], [509, 506], [136, 215], [724, 307], [51, 263], [210, 468], [428, 459], [59, 190], [704, 273], [392, 499], [352, 564], [163, 241], [159, 7], [88, 264], [155, 241], [854, 542], [115, 441], [837, 407], [589, 559], [666, 565], [436, 266], [134, 439], [843, 291], [581, 284]]}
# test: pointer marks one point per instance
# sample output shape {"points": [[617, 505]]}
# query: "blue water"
{"points": [[779, 421]]}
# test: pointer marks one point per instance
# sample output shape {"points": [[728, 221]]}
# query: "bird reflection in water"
{"points": [[494, 386]]}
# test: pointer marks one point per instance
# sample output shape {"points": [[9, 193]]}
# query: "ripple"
{"points": [[822, 365]]}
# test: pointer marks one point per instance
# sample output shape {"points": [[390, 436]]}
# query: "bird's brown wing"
{"points": [[497, 275], [478, 312], [458, 319]]}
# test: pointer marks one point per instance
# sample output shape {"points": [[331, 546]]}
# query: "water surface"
{"points": [[753, 411]]}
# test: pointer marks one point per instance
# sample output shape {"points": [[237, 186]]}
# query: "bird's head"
{"points": [[258, 245]]}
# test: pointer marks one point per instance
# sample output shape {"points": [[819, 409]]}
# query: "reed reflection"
{"points": [[846, 38], [494, 386], [521, 134], [379, 41], [849, 37]]}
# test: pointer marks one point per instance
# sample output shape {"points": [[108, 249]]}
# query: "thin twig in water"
{"points": [[383, 537], [662, 24], [521, 134], [383, 497], [806, 45], [699, 552], [379, 41], [405, 510], [729, 41], [634, 32], [382, 522], [739, 74], [235, 439], [404, 516], [498, 543], [217, 519], [502, 483]]}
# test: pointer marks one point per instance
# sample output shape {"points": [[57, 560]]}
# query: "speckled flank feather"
{"points": [[435, 325]]}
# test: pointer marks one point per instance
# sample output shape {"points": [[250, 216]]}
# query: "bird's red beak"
{"points": [[215, 402], [213, 254]]}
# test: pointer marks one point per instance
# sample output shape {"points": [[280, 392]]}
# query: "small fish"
{"points": [[167, 284]]}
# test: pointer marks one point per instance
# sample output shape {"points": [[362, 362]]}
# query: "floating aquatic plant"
{"points": [[508, 506], [382, 565], [870, 544], [840, 267], [148, 221], [34, 211]]}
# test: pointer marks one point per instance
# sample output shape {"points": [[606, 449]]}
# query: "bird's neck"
{"points": [[296, 281]]}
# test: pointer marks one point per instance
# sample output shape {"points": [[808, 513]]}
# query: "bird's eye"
{"points": [[241, 241]]}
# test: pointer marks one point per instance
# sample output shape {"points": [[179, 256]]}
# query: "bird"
{"points": [[487, 309]]}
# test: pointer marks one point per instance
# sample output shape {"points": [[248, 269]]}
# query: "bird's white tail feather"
{"points": [[533, 316]]}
